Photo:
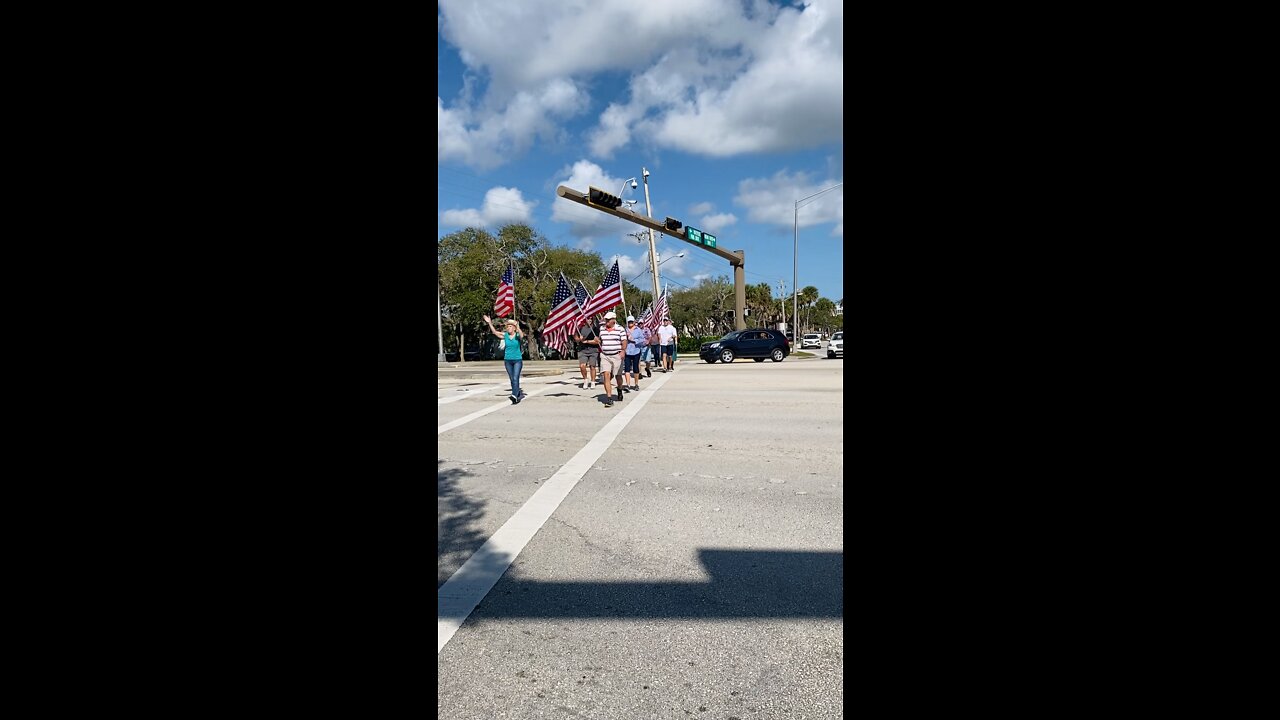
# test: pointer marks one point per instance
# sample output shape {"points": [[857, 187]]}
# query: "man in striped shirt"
{"points": [[613, 343]]}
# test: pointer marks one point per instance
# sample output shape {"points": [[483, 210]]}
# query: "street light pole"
{"points": [[673, 257], [653, 248], [795, 264]]}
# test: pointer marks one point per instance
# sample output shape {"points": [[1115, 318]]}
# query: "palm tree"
{"points": [[807, 296], [759, 299]]}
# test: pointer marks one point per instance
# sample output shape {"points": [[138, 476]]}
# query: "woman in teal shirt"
{"points": [[513, 358]]}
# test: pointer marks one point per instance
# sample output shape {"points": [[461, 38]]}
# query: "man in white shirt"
{"points": [[613, 343], [667, 338]]}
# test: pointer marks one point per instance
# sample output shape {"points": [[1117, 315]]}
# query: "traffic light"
{"points": [[596, 196], [674, 225]]}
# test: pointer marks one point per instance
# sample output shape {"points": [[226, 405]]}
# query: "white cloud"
{"points": [[710, 77], [772, 200], [716, 223], [585, 222], [701, 208], [486, 139], [502, 206]]}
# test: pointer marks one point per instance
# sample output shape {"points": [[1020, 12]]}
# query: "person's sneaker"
{"points": [[636, 387], [648, 372], [514, 399], [619, 394], [608, 401]]}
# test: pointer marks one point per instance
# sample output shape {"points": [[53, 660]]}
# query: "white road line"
{"points": [[481, 413], [477, 576], [468, 392]]}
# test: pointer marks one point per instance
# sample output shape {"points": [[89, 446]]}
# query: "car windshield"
{"points": [[812, 335], [838, 336], [731, 336]]}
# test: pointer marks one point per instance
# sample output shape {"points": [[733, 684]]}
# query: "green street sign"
{"points": [[695, 235]]}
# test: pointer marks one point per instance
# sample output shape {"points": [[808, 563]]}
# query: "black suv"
{"points": [[756, 343]]}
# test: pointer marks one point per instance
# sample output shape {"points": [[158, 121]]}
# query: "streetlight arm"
{"points": [[833, 187], [795, 259]]}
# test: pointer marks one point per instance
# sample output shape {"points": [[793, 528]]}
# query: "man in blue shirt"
{"points": [[631, 363]]}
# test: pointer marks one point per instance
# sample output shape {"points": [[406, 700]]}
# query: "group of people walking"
{"points": [[616, 353], [610, 351]]}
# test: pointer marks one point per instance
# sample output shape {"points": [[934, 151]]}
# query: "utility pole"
{"points": [[608, 203], [782, 298], [439, 324], [653, 251]]}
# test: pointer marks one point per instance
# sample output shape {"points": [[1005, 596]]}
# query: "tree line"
{"points": [[471, 262]]}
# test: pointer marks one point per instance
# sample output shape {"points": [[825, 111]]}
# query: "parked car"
{"points": [[754, 343], [811, 340], [836, 347]]}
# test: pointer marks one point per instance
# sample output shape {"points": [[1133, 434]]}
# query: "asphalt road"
{"points": [[679, 554]]}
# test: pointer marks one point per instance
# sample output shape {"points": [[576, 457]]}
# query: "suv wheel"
{"points": [[777, 355], [726, 356]]}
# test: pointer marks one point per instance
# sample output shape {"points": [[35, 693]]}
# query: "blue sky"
{"points": [[736, 108]]}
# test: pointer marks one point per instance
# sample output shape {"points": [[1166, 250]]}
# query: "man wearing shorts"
{"points": [[631, 361], [667, 341], [588, 340], [613, 343]]}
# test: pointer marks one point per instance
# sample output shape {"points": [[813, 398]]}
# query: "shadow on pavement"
{"points": [[743, 584], [457, 530]]}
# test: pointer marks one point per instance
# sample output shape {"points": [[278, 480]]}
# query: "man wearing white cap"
{"points": [[613, 343], [631, 363]]}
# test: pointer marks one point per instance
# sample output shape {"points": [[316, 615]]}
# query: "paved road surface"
{"points": [[676, 555]]}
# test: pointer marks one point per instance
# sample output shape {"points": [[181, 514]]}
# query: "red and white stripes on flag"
{"points": [[563, 319], [608, 295], [505, 303], [662, 311], [648, 320], [652, 319]]}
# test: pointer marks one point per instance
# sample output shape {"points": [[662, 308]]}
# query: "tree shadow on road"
{"points": [[458, 533]]}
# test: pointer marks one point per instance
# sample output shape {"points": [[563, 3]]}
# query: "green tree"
{"points": [[760, 303], [471, 263], [806, 297]]}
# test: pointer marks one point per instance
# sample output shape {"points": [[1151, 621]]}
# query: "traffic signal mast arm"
{"points": [[609, 207]]}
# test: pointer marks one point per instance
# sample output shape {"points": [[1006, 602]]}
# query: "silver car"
{"points": [[835, 348]]}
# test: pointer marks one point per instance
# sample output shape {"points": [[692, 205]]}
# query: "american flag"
{"points": [[583, 298], [648, 320], [608, 295], [662, 310], [563, 318], [506, 301]]}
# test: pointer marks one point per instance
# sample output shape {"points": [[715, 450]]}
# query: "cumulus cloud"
{"points": [[701, 208], [779, 86], [502, 206], [772, 200], [585, 222], [486, 139], [710, 77], [715, 223]]}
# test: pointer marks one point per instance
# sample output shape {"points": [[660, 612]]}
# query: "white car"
{"points": [[836, 347], [811, 340]]}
